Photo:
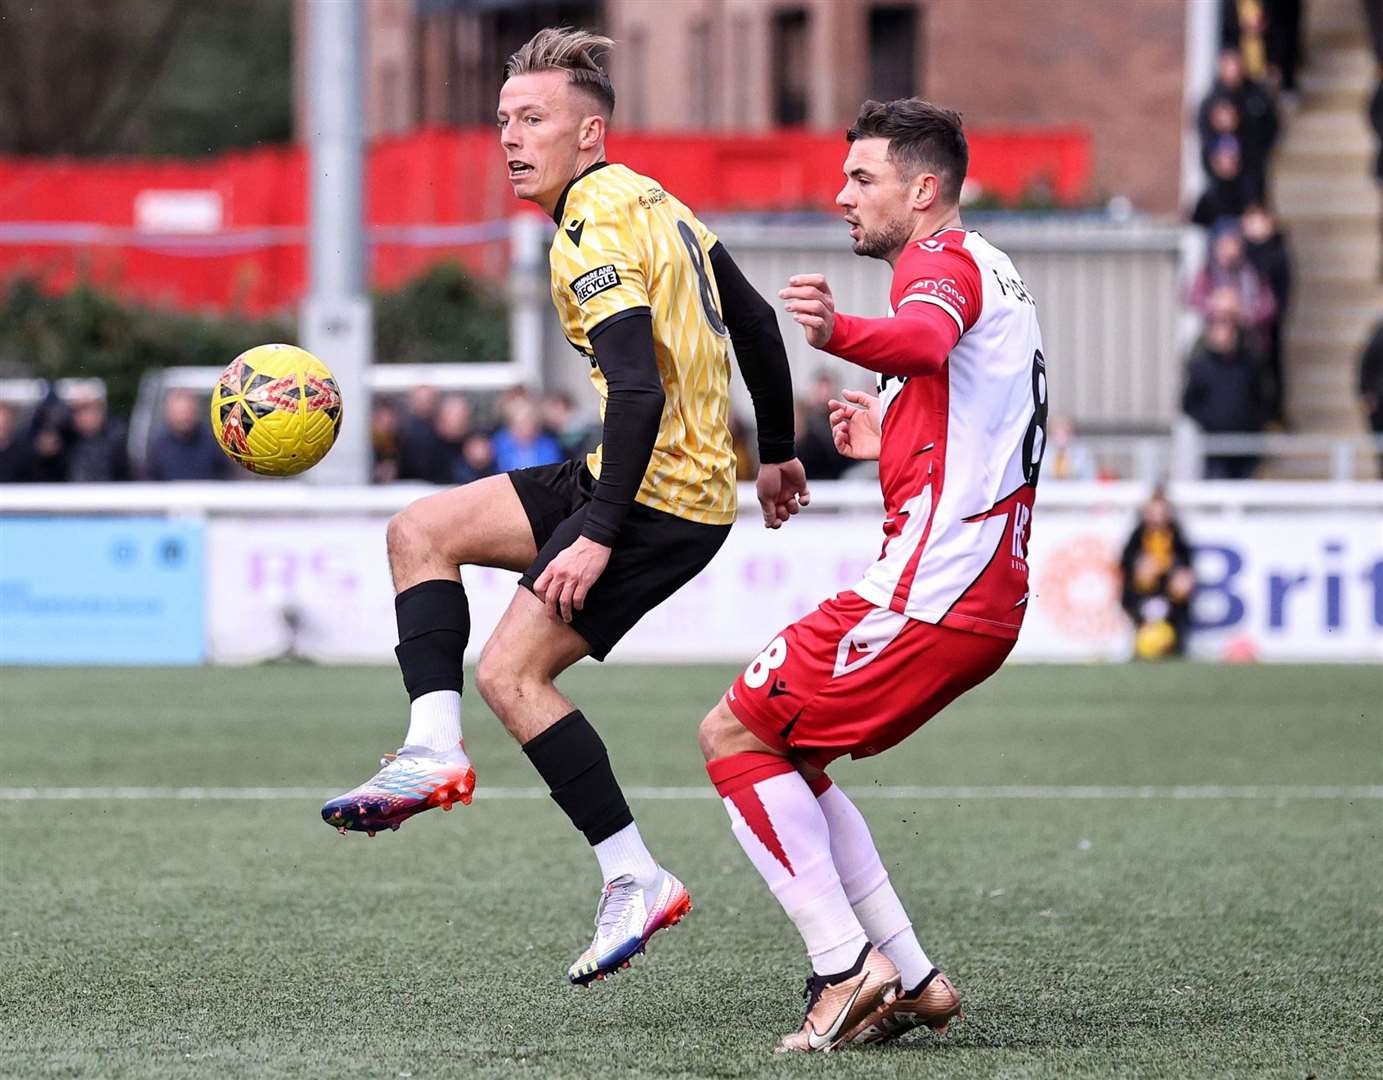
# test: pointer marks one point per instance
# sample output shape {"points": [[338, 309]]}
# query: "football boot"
{"points": [[837, 1003], [933, 1003], [410, 781], [627, 916]]}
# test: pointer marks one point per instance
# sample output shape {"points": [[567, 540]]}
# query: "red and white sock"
{"points": [[866, 884], [777, 821]]}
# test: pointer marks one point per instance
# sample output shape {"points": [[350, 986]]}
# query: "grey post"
{"points": [[336, 324]]}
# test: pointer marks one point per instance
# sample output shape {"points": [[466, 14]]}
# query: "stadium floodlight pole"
{"points": [[336, 322]]}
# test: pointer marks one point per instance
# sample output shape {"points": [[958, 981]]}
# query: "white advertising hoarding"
{"points": [[1281, 585]]}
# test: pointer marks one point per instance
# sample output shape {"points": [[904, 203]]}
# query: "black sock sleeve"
{"points": [[434, 619], [573, 762]]}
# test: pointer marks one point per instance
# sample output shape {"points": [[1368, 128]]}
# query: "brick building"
{"points": [[1114, 67]]}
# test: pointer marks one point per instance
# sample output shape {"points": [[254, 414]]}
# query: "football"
{"points": [[276, 410]]}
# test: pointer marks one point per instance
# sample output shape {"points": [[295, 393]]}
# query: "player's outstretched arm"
{"points": [[633, 411], [763, 361], [916, 342]]}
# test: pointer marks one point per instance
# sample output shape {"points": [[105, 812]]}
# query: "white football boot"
{"points": [[628, 915], [410, 781]]}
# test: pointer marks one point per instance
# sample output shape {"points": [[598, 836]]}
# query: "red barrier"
{"points": [[66, 220]]}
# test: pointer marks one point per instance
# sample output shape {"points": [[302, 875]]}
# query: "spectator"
{"points": [[523, 443], [1229, 271], [1284, 42], [184, 448], [1065, 457], [50, 436], [1229, 192], [563, 423], [477, 458], [742, 439], [384, 443], [1157, 581], [816, 448], [1371, 380], [1376, 119], [1219, 119], [1223, 393], [1258, 122], [16, 456], [451, 428], [418, 448], [96, 453], [1265, 247], [1244, 25], [1373, 14]]}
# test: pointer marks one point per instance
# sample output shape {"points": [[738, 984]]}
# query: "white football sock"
{"points": [[625, 853], [434, 721], [881, 914], [866, 884], [784, 833]]}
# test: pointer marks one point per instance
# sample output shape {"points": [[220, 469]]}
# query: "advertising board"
{"points": [[1281, 585], [101, 590]]}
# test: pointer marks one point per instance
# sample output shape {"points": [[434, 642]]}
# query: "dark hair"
{"points": [[920, 136], [560, 48]]}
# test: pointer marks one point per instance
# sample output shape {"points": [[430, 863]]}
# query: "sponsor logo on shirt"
{"points": [[943, 288], [593, 282], [652, 197]]}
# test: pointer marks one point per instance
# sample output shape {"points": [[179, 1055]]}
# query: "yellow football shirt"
{"points": [[623, 244]]}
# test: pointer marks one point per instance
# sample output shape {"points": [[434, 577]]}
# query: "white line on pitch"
{"points": [[273, 794]]}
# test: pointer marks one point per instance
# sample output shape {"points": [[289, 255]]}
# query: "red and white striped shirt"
{"points": [[963, 389]]}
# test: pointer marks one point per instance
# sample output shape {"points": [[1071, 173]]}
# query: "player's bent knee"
{"points": [[495, 680], [718, 731], [402, 534]]}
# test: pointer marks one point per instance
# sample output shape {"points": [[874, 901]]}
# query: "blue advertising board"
{"points": [[101, 590]]}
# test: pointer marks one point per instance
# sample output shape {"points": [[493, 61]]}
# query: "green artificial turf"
{"points": [[1107, 936]]}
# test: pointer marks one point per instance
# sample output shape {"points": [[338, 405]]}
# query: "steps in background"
{"points": [[1327, 198]]}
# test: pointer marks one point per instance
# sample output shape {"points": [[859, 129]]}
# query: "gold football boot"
{"points": [[836, 1004]]}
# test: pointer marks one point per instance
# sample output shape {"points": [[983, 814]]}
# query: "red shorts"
{"points": [[852, 678]]}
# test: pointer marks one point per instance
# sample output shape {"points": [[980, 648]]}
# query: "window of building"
{"points": [[790, 66], [741, 41], [894, 30], [487, 38], [631, 93], [704, 81]]}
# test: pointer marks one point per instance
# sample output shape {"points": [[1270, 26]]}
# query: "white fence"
{"points": [[253, 572]]}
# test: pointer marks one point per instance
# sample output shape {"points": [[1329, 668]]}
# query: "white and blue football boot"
{"points": [[628, 915], [408, 782]]}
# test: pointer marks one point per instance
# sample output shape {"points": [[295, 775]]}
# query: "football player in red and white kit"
{"points": [[958, 430]]}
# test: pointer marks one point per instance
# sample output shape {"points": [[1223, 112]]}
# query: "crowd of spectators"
{"points": [[432, 437], [74, 439], [436, 438], [1234, 375]]}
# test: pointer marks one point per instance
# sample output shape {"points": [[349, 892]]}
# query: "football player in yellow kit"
{"points": [[652, 300]]}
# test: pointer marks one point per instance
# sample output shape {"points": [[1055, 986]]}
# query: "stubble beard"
{"points": [[885, 241]]}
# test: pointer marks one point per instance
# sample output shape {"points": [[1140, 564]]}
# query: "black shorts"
{"points": [[655, 555]]}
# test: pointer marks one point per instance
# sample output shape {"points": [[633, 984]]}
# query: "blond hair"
{"points": [[563, 48]]}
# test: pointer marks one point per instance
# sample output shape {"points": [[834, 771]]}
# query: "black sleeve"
{"points": [[762, 358], [623, 347]]}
